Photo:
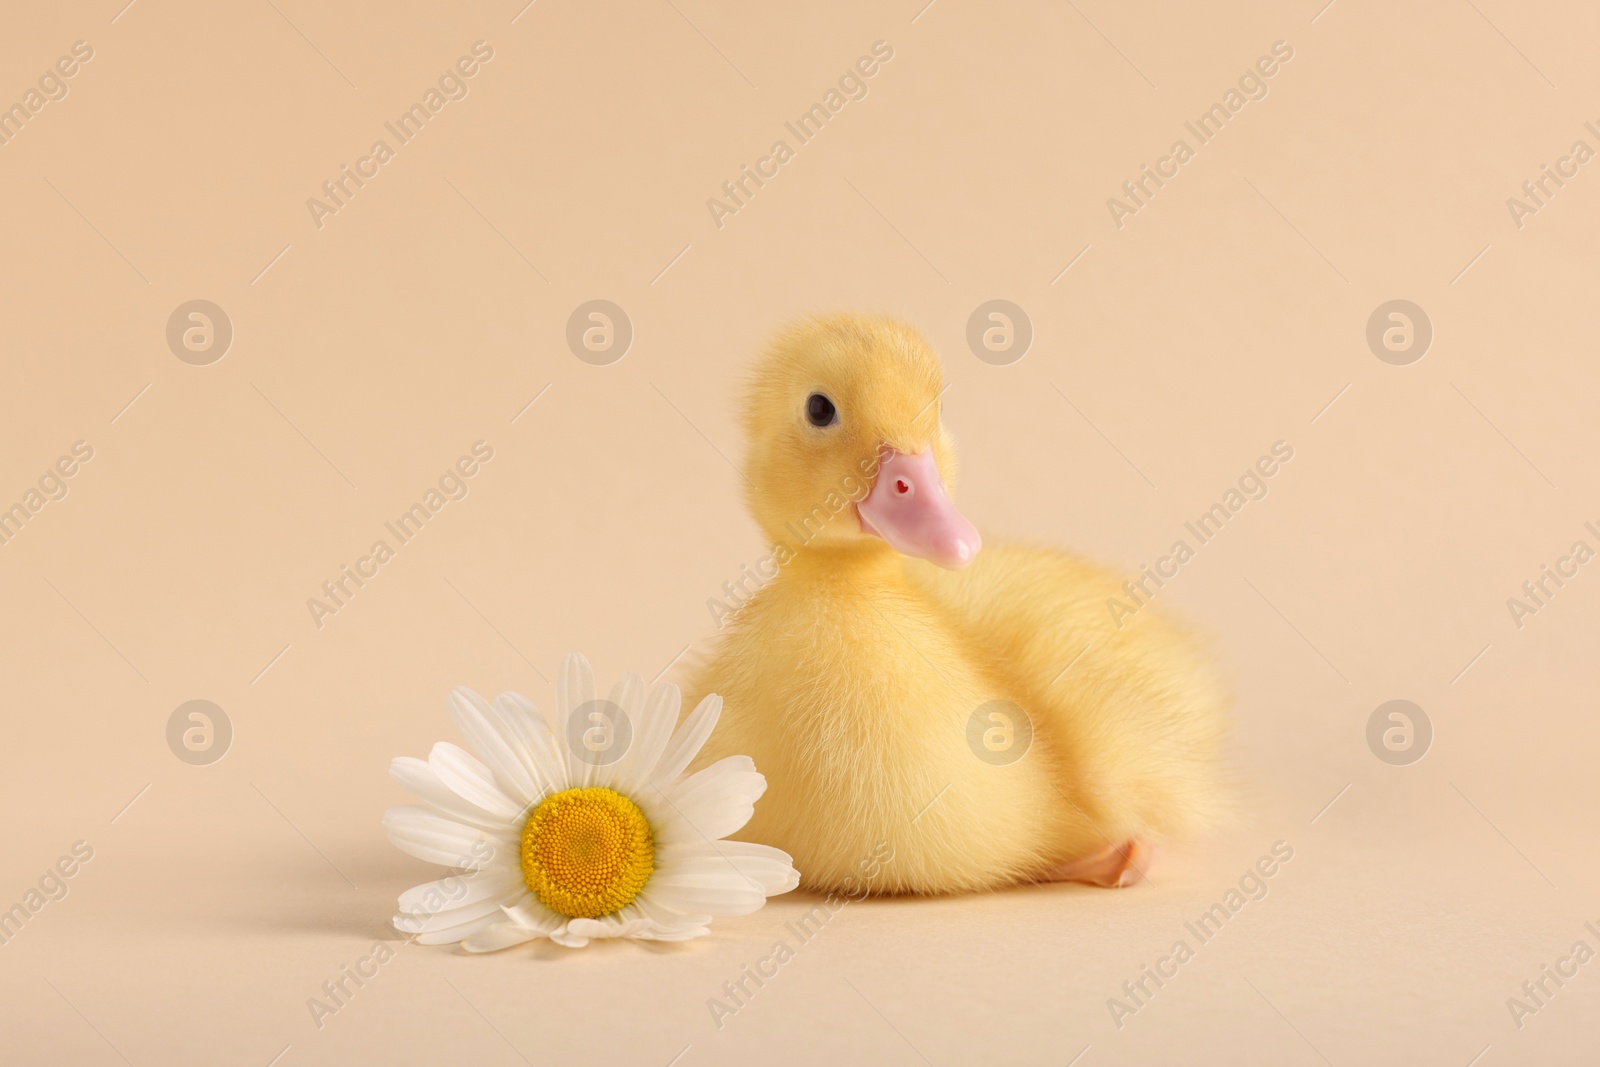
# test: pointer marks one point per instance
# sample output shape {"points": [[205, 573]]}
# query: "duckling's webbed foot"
{"points": [[1112, 867]]}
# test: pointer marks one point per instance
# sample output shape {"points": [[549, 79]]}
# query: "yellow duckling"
{"points": [[983, 716]]}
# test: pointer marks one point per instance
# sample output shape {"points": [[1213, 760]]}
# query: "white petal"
{"points": [[437, 839], [458, 890], [449, 935], [625, 923], [701, 885], [484, 731], [770, 868], [427, 925], [564, 937], [423, 781], [714, 802], [549, 765], [677, 932], [498, 936], [627, 695], [688, 741], [515, 718], [664, 916], [531, 912], [652, 731], [574, 688], [471, 780]]}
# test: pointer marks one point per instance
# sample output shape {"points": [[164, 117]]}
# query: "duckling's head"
{"points": [[846, 442]]}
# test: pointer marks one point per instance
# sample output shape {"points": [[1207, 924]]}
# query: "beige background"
{"points": [[427, 313]]}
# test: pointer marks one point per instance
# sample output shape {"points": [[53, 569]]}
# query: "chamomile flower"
{"points": [[581, 827]]}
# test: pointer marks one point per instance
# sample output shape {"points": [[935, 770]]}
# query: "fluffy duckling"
{"points": [[980, 714]]}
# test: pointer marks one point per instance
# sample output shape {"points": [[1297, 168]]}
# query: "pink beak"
{"points": [[909, 508]]}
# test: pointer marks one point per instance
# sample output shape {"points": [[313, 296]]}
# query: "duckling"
{"points": [[978, 716]]}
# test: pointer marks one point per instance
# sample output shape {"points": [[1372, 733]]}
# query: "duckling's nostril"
{"points": [[909, 508]]}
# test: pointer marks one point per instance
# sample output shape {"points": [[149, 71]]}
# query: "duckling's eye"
{"points": [[820, 410]]}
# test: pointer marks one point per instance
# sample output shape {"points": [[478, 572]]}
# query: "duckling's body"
{"points": [[853, 677]]}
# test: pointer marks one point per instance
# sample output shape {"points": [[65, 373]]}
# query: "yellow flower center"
{"points": [[587, 852]]}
